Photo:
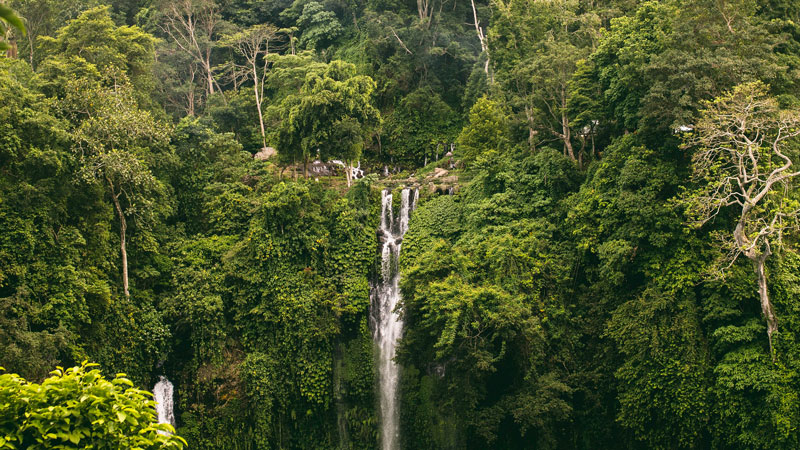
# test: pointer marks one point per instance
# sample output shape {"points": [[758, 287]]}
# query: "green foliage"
{"points": [[479, 282], [8, 19], [79, 408], [663, 390], [488, 129], [91, 45], [557, 300], [654, 68], [422, 125], [320, 27], [332, 115]]}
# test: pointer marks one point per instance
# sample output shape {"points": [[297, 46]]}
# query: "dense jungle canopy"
{"points": [[616, 266]]}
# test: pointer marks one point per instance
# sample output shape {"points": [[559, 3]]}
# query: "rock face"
{"points": [[319, 168], [442, 189], [453, 179], [265, 154], [439, 172]]}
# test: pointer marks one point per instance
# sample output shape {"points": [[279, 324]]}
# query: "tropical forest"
{"points": [[400, 224]]}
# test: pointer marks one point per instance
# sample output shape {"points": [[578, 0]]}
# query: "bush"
{"points": [[79, 408]]}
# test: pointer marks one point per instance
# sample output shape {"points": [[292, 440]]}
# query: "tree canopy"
{"points": [[604, 222]]}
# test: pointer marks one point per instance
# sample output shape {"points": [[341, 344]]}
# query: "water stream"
{"points": [[388, 326], [162, 394]]}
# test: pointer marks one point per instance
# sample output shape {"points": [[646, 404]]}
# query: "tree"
{"points": [[654, 67], [483, 41], [100, 75], [585, 106], [78, 408], [346, 141], [551, 73], [318, 26], [253, 44], [536, 47], [110, 139], [44, 18], [192, 25], [745, 147], [92, 47], [488, 129], [332, 113], [421, 125]]}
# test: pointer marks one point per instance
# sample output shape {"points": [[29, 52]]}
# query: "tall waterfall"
{"points": [[162, 394], [388, 326]]}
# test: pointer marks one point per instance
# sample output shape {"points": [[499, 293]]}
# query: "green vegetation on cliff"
{"points": [[617, 268]]}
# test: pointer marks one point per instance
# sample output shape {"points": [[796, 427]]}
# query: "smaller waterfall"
{"points": [[162, 394], [388, 326]]}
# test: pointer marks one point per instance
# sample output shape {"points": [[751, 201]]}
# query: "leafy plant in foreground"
{"points": [[79, 408]]}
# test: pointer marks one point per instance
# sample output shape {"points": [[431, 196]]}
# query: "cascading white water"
{"points": [[388, 327], [162, 394]]}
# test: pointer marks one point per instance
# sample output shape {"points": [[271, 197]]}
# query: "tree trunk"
{"points": [[759, 261], [305, 167], [209, 74], [482, 39], [766, 304], [568, 150], [258, 106], [123, 227], [190, 100], [565, 131], [531, 130], [422, 9], [30, 47], [190, 95], [348, 172]]}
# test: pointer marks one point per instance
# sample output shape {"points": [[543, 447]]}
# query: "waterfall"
{"points": [[162, 394], [388, 326]]}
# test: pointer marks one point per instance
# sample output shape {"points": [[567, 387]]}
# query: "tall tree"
{"points": [[192, 25], [536, 47], [324, 113], [551, 73], [44, 18], [318, 26], [482, 39], [100, 74], [746, 148], [253, 44], [92, 47], [111, 137]]}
